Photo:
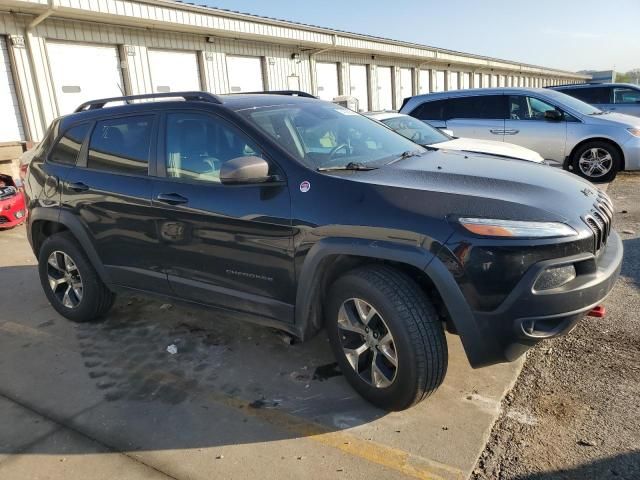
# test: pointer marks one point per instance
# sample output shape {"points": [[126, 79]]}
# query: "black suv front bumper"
{"points": [[528, 316]]}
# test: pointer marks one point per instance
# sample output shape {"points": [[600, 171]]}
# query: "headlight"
{"points": [[489, 227], [634, 131]]}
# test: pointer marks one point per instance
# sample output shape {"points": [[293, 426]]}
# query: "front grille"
{"points": [[600, 219], [3, 219]]}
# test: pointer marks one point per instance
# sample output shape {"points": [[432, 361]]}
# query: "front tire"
{"points": [[69, 280], [597, 161], [386, 336]]}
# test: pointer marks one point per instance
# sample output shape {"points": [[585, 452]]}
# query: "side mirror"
{"points": [[249, 169], [553, 115]]}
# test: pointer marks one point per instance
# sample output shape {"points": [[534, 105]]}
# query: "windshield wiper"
{"points": [[408, 154], [348, 166]]}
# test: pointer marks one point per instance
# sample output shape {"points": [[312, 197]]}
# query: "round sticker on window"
{"points": [[305, 187]]}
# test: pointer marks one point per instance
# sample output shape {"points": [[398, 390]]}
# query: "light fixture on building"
{"points": [[211, 39], [295, 56]]}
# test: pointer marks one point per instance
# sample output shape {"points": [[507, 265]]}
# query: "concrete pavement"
{"points": [[106, 400]]}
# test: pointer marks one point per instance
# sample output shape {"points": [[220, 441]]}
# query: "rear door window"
{"points": [[590, 95], [66, 150], [121, 145], [477, 107]]}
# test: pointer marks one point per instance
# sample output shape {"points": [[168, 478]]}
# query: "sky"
{"points": [[566, 34]]}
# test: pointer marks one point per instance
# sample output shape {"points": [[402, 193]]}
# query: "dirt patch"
{"points": [[574, 413]]}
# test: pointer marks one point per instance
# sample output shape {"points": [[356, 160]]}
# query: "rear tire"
{"points": [[597, 161], [71, 284], [390, 303]]}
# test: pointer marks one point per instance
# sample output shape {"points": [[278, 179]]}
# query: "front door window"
{"points": [[528, 108]]}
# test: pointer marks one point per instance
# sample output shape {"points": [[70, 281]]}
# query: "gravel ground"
{"points": [[574, 412]]}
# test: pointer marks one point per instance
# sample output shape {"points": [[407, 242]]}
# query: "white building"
{"points": [[56, 54]]}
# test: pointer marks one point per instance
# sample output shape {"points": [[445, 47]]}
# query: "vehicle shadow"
{"points": [[228, 383], [624, 466]]}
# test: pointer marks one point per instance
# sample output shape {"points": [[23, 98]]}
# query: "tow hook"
{"points": [[598, 312]]}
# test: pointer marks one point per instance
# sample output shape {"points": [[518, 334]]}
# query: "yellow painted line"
{"points": [[390, 457], [395, 459]]}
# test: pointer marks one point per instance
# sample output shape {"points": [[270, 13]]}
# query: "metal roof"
{"points": [[327, 30]]}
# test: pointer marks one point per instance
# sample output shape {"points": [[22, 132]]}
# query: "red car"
{"points": [[12, 206]]}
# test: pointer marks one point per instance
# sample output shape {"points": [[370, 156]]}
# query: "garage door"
{"points": [[10, 124], [439, 86], [424, 80], [406, 83], [466, 80], [359, 86], [453, 81], [245, 74], [385, 88], [327, 78], [174, 71], [98, 77]]}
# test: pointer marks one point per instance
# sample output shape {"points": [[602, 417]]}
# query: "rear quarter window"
{"points": [[66, 150]]}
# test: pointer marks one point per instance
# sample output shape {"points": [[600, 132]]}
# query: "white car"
{"points": [[428, 136]]}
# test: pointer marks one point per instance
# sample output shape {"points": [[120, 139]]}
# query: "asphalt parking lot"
{"points": [[106, 400]]}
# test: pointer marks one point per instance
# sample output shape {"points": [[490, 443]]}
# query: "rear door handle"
{"points": [[511, 131], [497, 131], [171, 198], [79, 187]]}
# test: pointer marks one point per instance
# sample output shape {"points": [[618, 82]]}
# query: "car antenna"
{"points": [[127, 101]]}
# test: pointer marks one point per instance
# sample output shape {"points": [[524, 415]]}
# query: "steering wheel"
{"points": [[416, 136], [337, 148]]}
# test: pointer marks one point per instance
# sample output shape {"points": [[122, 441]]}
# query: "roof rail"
{"points": [[197, 96], [292, 93]]}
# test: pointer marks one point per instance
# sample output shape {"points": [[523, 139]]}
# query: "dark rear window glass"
{"points": [[484, 106], [121, 145], [430, 110], [68, 147], [590, 95]]}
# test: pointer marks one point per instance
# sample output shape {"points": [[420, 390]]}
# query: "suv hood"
{"points": [[492, 147], [452, 182]]}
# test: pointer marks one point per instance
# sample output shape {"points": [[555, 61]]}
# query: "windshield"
{"points": [[323, 135], [578, 105], [415, 130]]}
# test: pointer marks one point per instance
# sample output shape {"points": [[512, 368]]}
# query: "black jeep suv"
{"points": [[300, 214]]}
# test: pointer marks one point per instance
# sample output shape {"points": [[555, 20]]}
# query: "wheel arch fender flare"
{"points": [[308, 319], [75, 227], [467, 328]]}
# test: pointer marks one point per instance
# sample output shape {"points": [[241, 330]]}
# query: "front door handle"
{"points": [[171, 198], [497, 131], [511, 131], [79, 187]]}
